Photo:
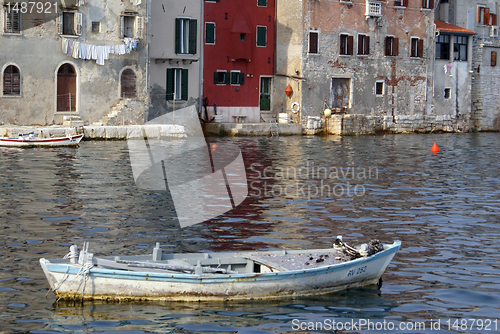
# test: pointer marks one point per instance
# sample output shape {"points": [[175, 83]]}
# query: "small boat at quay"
{"points": [[29, 140], [218, 276]]}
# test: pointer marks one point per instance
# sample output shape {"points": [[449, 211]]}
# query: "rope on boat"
{"points": [[84, 271], [369, 249]]}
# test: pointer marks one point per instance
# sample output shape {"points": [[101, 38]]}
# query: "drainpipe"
{"points": [[202, 26], [147, 47]]}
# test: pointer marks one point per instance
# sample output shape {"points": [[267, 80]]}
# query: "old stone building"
{"points": [[480, 17], [99, 61], [370, 63], [78, 58]]}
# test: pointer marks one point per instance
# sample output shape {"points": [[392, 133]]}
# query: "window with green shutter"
{"points": [[262, 3], [261, 35], [221, 78], [177, 84], [185, 36], [237, 78], [209, 33]]}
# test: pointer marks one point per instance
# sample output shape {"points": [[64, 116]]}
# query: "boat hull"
{"points": [[62, 141], [111, 284]]}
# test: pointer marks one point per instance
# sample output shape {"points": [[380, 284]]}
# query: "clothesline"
{"points": [[99, 53]]}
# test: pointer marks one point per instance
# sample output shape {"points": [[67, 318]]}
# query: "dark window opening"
{"points": [[391, 46], [363, 45], [460, 46], [443, 47], [313, 42], [379, 88], [346, 45], [447, 93]]}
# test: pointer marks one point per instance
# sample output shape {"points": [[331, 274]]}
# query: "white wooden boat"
{"points": [[29, 140], [217, 276]]}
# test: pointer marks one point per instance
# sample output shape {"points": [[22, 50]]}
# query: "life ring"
{"points": [[293, 107]]}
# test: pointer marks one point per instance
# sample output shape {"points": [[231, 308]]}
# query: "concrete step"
{"points": [[72, 121], [268, 116]]}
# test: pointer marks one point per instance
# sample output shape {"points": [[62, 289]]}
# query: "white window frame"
{"points": [[230, 75], [77, 23], [223, 83], [309, 42], [214, 24], [373, 8], [137, 25], [257, 34], [4, 16], [383, 88]]}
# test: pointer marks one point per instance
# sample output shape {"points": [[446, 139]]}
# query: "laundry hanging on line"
{"points": [[99, 53]]}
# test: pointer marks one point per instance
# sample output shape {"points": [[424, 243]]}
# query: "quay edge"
{"points": [[100, 132]]}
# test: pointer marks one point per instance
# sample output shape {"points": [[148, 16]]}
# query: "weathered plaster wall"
{"points": [[485, 88], [37, 53], [289, 39], [406, 79], [163, 56]]}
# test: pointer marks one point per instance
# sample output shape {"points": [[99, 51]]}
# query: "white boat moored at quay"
{"points": [[29, 140]]}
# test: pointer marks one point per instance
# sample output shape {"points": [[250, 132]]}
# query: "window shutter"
{"points": [[420, 48], [77, 23], [7, 83], [227, 78], [431, 4], [261, 36], [59, 25], [170, 83], [405, 3], [122, 26], [350, 44], [234, 78], [387, 46], [493, 19], [16, 22], [493, 58], [184, 85], [8, 21], [216, 77], [193, 33], [367, 45], [178, 35], [395, 48], [479, 9], [139, 26], [486, 17], [16, 84], [242, 78], [209, 33]]}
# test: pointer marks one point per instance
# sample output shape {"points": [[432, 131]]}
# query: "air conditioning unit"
{"points": [[373, 8], [493, 31]]}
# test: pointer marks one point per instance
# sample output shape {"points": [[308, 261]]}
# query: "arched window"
{"points": [[11, 81], [128, 89]]}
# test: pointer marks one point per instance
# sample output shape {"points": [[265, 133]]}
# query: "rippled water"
{"points": [[445, 209]]}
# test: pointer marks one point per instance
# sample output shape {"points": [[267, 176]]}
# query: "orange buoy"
{"points": [[214, 147], [288, 90], [435, 148]]}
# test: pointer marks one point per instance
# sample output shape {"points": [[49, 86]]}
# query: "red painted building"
{"points": [[238, 58]]}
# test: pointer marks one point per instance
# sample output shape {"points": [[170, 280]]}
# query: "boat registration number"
{"points": [[357, 271]]}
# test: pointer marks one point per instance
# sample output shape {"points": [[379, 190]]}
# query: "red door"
{"points": [[66, 88]]}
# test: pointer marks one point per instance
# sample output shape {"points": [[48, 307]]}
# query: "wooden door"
{"points": [[128, 84], [66, 88]]}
